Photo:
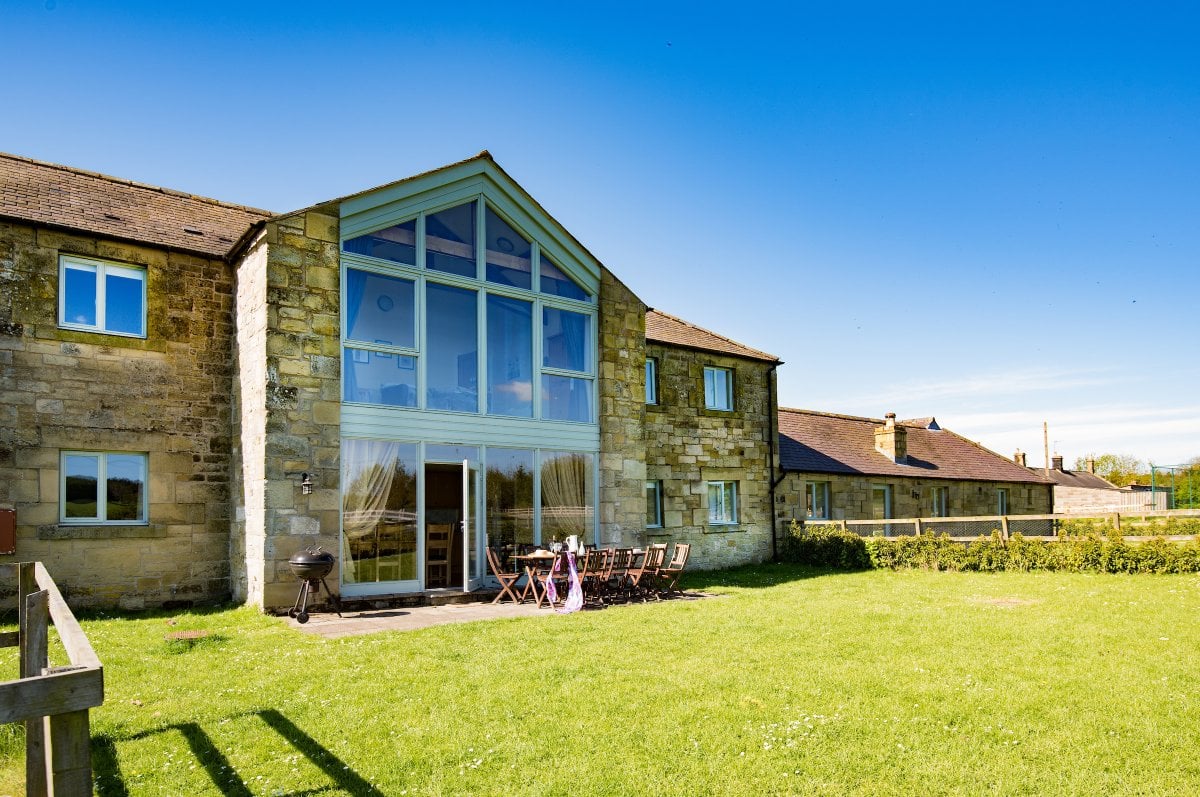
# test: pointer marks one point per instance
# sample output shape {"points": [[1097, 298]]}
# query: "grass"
{"points": [[793, 682]]}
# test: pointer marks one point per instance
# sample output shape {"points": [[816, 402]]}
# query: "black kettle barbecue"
{"points": [[311, 565]]}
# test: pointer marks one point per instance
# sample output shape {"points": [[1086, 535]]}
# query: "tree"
{"points": [[1186, 483], [1120, 469]]}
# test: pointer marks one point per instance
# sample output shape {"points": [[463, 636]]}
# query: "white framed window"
{"points": [[103, 487], [816, 500], [722, 503], [651, 380], [99, 296], [1002, 501], [654, 515], [718, 388], [941, 502]]}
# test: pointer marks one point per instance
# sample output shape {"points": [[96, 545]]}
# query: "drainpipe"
{"points": [[772, 411]]}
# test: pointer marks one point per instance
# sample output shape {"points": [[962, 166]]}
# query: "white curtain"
{"points": [[368, 468], [566, 495]]}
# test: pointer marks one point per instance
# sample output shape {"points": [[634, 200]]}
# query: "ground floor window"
{"points": [[881, 501], [1002, 501], [941, 502], [722, 503], [654, 505], [816, 500], [103, 487]]}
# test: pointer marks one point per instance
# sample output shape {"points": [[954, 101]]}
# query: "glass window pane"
{"points": [[124, 308], [717, 392], [397, 244], [509, 501], [568, 505], [81, 473], [379, 309], [509, 256], [452, 365], [79, 295], [554, 281], [653, 504], [126, 487], [566, 398], [450, 240], [566, 340], [372, 377], [509, 357], [651, 381], [438, 452], [379, 511]]}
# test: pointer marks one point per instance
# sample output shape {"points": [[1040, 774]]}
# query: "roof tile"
{"points": [[665, 328]]}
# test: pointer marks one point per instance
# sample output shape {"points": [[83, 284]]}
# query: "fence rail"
{"points": [[1047, 527], [52, 701]]}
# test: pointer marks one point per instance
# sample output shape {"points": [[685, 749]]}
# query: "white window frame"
{"points": [[713, 398], [887, 501], [100, 268], [941, 502], [100, 518], [1002, 501], [651, 380], [811, 491], [656, 486], [727, 505]]}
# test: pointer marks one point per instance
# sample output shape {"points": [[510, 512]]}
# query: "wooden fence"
{"points": [[53, 702], [1037, 527]]}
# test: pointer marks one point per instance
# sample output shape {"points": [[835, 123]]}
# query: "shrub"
{"points": [[824, 545]]}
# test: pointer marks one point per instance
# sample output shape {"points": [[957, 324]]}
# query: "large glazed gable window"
{"points": [[100, 487], [458, 309], [99, 296]]}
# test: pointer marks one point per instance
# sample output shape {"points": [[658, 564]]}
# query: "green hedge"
{"points": [[831, 546]]}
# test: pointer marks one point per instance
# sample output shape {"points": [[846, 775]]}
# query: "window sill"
{"points": [[70, 531], [724, 528]]}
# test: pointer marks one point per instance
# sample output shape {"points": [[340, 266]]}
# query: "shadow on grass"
{"points": [[111, 783], [770, 574]]}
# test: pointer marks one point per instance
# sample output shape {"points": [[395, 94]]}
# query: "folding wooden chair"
{"points": [[641, 578], [668, 577], [507, 581], [618, 571]]}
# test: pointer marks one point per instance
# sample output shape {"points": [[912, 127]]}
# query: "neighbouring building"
{"points": [[194, 390], [842, 467], [1085, 492]]}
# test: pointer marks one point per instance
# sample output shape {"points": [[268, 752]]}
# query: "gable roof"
{"points": [[74, 199], [1077, 478], [822, 442], [665, 328]]}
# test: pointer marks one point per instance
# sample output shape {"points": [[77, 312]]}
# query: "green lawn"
{"points": [[792, 682]]}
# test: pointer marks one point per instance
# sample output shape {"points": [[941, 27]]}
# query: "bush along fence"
{"points": [[1167, 544]]}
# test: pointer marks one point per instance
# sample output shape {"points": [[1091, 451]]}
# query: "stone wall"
{"points": [[688, 446], [288, 349], [850, 496], [167, 395], [622, 388]]}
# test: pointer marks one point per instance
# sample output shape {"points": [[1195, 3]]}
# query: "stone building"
{"points": [[195, 390], [1084, 491], [849, 468]]}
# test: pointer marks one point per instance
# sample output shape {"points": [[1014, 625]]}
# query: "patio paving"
{"points": [[372, 621]]}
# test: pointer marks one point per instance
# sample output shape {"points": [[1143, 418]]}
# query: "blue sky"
{"points": [[986, 214]]}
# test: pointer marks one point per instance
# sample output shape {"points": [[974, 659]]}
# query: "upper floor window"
{"points": [[103, 487], [718, 388], [816, 501], [451, 320], [722, 503], [651, 380], [100, 296]]}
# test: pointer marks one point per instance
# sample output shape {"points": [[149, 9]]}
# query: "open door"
{"points": [[471, 570]]}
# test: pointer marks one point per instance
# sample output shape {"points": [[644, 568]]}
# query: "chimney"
{"points": [[892, 440], [1056, 462], [1091, 464], [1019, 458]]}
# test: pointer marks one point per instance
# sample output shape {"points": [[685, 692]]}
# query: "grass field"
{"points": [[790, 682]]}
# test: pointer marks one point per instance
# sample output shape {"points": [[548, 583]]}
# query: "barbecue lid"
{"points": [[311, 556]]}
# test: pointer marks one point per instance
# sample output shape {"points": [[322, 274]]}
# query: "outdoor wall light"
{"points": [[305, 484]]}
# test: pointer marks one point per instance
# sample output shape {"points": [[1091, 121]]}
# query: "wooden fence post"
{"points": [[1004, 527], [1116, 520], [917, 526], [34, 657], [70, 753]]}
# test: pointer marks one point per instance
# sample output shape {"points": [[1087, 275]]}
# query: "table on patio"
{"points": [[541, 567]]}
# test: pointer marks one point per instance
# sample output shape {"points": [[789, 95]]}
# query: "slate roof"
{"points": [[1077, 478], [64, 197], [822, 442], [665, 328]]}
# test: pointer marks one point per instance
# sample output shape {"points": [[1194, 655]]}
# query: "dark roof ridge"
{"points": [[728, 340], [135, 184], [831, 415]]}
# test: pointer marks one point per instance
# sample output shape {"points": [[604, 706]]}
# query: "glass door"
{"points": [[451, 518]]}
